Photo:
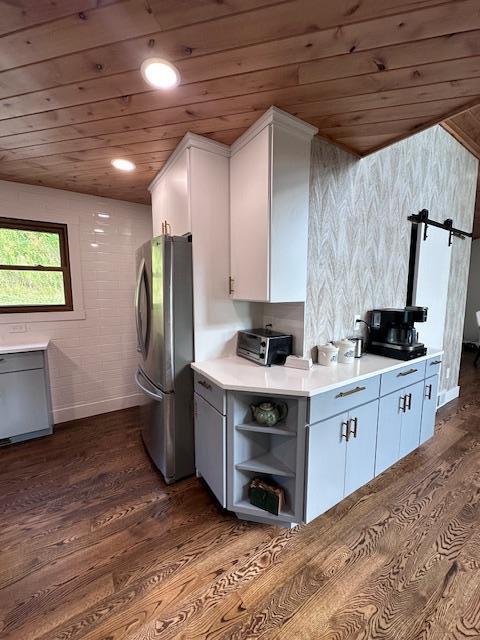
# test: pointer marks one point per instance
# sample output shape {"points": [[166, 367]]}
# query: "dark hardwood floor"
{"points": [[93, 545]]}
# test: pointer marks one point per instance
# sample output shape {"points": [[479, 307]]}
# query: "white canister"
{"points": [[327, 355], [346, 351]]}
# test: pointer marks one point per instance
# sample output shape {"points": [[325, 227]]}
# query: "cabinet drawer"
{"points": [[212, 394], [330, 403], [21, 361], [407, 375], [433, 366]]}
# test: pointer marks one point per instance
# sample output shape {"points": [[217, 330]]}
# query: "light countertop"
{"points": [[17, 343], [238, 374]]}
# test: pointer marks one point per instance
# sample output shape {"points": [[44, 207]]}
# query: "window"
{"points": [[34, 267]]}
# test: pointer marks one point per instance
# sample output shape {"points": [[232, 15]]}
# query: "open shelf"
{"points": [[257, 428], [266, 463], [245, 507]]}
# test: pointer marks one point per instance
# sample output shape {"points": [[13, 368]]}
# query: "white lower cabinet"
{"points": [[210, 447], [341, 457]]}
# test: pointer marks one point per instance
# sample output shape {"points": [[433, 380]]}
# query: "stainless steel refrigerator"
{"points": [[164, 320]]}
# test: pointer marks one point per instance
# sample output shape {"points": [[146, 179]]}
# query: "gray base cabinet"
{"points": [[399, 425], [327, 446], [24, 397], [341, 457], [210, 447], [430, 394]]}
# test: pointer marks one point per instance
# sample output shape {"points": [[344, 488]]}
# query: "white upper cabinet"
{"points": [[269, 196], [170, 197]]}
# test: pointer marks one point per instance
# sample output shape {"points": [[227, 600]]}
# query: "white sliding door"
{"points": [[430, 285]]}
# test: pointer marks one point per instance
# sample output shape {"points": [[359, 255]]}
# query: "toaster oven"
{"points": [[264, 346]]}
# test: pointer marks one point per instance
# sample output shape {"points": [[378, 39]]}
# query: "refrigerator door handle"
{"points": [[151, 394], [141, 347]]}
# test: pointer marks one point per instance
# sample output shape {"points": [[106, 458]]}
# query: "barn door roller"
{"points": [[447, 225]]}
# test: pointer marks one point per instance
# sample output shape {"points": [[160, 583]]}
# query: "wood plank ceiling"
{"points": [[367, 73], [465, 127]]}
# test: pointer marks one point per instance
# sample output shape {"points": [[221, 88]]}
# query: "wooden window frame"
{"points": [[48, 227]]}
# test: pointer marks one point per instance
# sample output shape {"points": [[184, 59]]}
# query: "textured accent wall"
{"points": [[359, 236]]}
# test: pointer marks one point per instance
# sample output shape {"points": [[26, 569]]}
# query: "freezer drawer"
{"points": [[158, 426], [167, 427]]}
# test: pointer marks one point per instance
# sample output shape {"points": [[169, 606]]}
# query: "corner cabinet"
{"points": [[325, 448], [269, 197]]}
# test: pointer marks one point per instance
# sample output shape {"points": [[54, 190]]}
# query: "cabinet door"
{"points": [[289, 216], [429, 408], [412, 419], [23, 402], [388, 432], [170, 198], [360, 462], [210, 447], [250, 219], [325, 466]]}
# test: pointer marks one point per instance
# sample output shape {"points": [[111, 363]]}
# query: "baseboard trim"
{"points": [[94, 408], [447, 396]]}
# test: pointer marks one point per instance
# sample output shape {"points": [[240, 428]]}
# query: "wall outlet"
{"points": [[17, 328], [447, 373]]}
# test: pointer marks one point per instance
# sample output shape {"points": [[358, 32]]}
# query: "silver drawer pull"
{"points": [[204, 384], [406, 373], [435, 362], [344, 394]]}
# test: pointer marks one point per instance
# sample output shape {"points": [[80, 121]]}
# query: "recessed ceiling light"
{"points": [[103, 215], [160, 73], [99, 230], [123, 165], [94, 245]]}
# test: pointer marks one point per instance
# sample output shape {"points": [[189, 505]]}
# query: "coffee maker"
{"points": [[393, 333]]}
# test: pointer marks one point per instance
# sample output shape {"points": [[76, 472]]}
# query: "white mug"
{"points": [[327, 355]]}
